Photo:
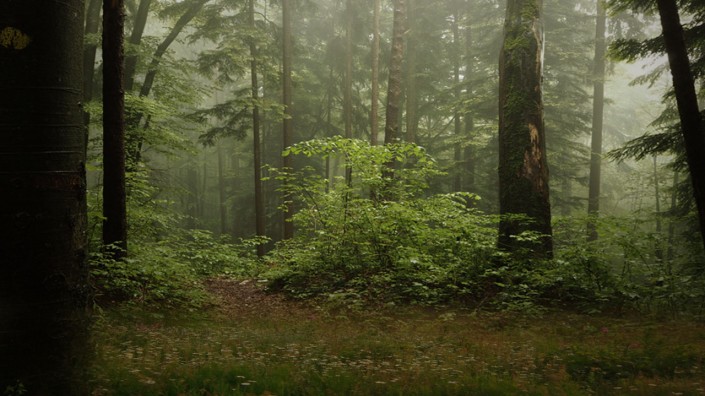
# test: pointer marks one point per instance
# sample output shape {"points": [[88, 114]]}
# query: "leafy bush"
{"points": [[378, 239], [166, 264]]}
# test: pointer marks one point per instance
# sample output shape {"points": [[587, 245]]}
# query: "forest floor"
{"points": [[250, 342]]}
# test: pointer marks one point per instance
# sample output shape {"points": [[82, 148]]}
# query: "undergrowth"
{"points": [[414, 353]]}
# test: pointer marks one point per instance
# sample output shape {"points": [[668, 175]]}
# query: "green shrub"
{"points": [[379, 239]]}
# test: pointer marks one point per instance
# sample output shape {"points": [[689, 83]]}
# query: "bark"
{"points": [[44, 292], [347, 88], [92, 27], [347, 84], [469, 154], [457, 121], [391, 126], [598, 105], [523, 170], [687, 102], [374, 109], [135, 39], [412, 100], [114, 206], [257, 147], [287, 127]]}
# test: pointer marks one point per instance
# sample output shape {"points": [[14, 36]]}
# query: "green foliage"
{"points": [[355, 245], [166, 263], [169, 272]]}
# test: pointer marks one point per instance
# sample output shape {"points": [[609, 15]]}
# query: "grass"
{"points": [[415, 352]]}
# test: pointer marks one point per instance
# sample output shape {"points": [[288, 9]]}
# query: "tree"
{"points": [[287, 127], [257, 147], [598, 106], [91, 28], [523, 169], [135, 38], [374, 105], [396, 58], [686, 101], [114, 194], [44, 291]]}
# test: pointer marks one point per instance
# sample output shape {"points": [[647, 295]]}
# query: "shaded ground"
{"points": [[255, 343], [248, 297]]}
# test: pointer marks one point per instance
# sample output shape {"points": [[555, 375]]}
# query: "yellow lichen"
{"points": [[14, 38]]}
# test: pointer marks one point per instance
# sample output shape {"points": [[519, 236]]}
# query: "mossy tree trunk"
{"points": [[523, 169], [44, 291]]}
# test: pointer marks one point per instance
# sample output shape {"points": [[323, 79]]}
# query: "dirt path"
{"points": [[248, 297]]}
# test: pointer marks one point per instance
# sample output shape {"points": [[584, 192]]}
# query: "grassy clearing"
{"points": [[253, 345]]}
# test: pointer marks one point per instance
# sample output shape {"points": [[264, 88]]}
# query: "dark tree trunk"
{"points": [[135, 39], [44, 292], [523, 170], [114, 207], [687, 101], [374, 109], [391, 126], [287, 128], [257, 146], [92, 27], [598, 105]]}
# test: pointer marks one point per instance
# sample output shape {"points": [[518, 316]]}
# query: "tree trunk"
{"points": [[257, 147], [412, 100], [687, 101], [523, 170], [469, 154], [114, 207], [598, 105], [287, 128], [391, 126], [347, 88], [457, 90], [44, 292], [89, 51], [374, 109], [135, 39]]}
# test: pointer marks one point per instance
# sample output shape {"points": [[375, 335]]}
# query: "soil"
{"points": [[249, 297]]}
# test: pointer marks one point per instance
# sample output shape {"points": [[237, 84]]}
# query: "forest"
{"points": [[338, 197]]}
